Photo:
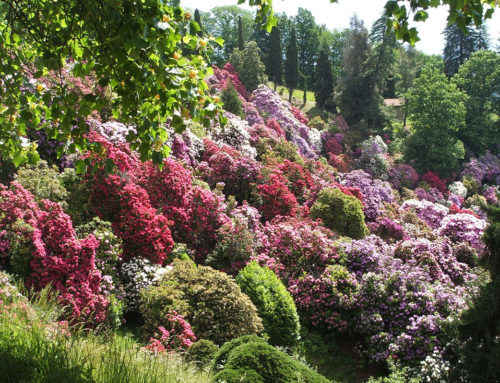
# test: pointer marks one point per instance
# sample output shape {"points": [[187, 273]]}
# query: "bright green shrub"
{"points": [[209, 300], [318, 123], [340, 212], [43, 181], [78, 197], [201, 352], [220, 358], [269, 363], [276, 151], [21, 248], [231, 100], [238, 376], [274, 303]]}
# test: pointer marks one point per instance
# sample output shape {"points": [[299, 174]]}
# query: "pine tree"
{"points": [[324, 81], [231, 100], [459, 46], [292, 65], [197, 18], [275, 57], [241, 41]]}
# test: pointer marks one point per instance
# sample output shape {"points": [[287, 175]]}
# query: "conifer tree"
{"points": [[459, 46], [197, 18], [323, 89], [241, 41], [275, 57], [292, 65]]}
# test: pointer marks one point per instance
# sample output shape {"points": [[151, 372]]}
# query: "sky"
{"points": [[337, 16]]}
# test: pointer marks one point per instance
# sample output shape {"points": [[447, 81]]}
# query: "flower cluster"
{"points": [[222, 77], [433, 180], [431, 213], [403, 176], [463, 228], [176, 335]]}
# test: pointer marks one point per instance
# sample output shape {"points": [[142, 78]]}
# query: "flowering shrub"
{"points": [[267, 101], [236, 135], [292, 246], [274, 198], [57, 256], [273, 302], [463, 228], [340, 212], [403, 176], [209, 300], [299, 115], [114, 131], [434, 181], [491, 195], [326, 301], [485, 168], [299, 179], [387, 229], [432, 214], [176, 334], [222, 77], [458, 189], [252, 114], [432, 195]]}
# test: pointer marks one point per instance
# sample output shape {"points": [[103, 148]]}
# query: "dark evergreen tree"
{"points": [[354, 87], [308, 46], [459, 46], [231, 100], [275, 57], [197, 18], [241, 41], [292, 65], [323, 89]]}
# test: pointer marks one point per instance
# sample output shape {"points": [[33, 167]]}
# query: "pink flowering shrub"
{"points": [[222, 77], [491, 195], [57, 258], [292, 246], [176, 335], [387, 229], [272, 124], [299, 179], [252, 114], [299, 115]]}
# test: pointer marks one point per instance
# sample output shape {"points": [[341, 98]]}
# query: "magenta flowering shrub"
{"points": [[491, 195], [222, 77], [57, 257], [387, 229], [299, 115], [272, 124], [252, 115], [176, 334], [463, 228], [431, 213], [258, 131], [270, 103], [326, 301], [403, 176], [433, 180], [432, 195], [292, 246], [274, 198]]}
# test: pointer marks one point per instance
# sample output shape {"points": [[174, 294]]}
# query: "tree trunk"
{"points": [[290, 92]]}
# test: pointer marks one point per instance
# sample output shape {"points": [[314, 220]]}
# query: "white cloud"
{"points": [[338, 15]]}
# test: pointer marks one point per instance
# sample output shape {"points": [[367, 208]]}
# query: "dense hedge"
{"points": [[340, 212], [274, 304], [210, 301]]}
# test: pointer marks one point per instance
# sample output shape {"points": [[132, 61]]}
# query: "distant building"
{"points": [[395, 105]]}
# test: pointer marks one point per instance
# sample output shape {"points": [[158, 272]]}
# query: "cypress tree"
{"points": [[275, 57], [197, 18], [459, 46], [323, 89], [292, 65], [241, 41]]}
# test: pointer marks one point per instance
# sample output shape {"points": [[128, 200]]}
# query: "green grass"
{"points": [[33, 349], [297, 96]]}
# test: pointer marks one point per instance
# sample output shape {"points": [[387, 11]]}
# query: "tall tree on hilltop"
{"points": [[241, 41], [354, 89], [197, 18], [323, 89], [249, 66], [275, 57], [459, 46], [308, 46], [292, 65]]}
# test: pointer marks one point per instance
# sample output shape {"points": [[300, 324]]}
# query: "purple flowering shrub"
{"points": [[403, 176], [463, 228], [432, 214]]}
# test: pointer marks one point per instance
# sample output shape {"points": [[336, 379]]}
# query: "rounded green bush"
{"points": [[209, 300], [201, 352], [270, 364], [220, 358], [274, 304], [340, 212], [237, 376]]}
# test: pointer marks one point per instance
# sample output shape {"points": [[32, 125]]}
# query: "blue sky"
{"points": [[338, 16]]}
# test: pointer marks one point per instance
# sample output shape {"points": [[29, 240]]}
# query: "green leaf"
{"points": [[81, 167]]}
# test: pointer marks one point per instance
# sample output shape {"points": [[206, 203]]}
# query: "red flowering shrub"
{"points": [[328, 300], [275, 199], [177, 334], [341, 162], [271, 123], [454, 209], [57, 256], [229, 74], [434, 181], [300, 116], [332, 146], [299, 178]]}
